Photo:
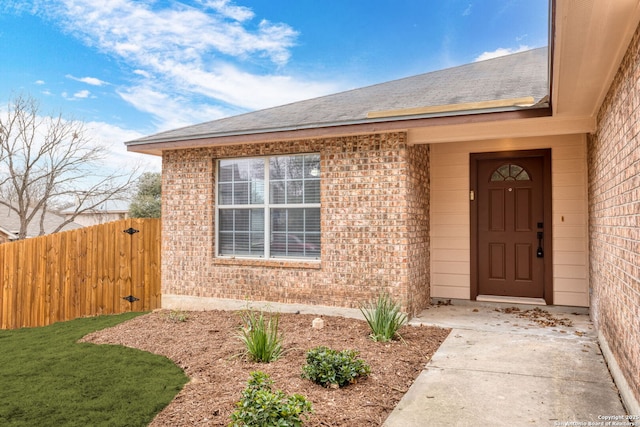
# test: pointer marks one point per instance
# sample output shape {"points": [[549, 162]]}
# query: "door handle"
{"points": [[540, 251]]}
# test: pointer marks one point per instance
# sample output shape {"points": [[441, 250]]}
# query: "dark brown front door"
{"points": [[510, 224]]}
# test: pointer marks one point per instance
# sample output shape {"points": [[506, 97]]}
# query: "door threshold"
{"points": [[511, 300]]}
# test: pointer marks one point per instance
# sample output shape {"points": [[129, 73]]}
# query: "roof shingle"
{"points": [[523, 74]]}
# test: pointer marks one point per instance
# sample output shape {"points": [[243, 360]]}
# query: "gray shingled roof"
{"points": [[108, 206], [10, 222], [518, 75]]}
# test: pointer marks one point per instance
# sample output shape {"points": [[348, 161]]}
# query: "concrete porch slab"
{"points": [[498, 369]]}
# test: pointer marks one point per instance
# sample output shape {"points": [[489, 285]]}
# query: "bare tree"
{"points": [[47, 161]]}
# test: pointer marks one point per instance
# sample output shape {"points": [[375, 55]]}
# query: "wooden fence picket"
{"points": [[79, 273]]}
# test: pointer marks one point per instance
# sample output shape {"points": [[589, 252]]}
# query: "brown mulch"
{"points": [[206, 347]]}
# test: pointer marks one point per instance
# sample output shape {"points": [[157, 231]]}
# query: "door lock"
{"points": [[540, 252]]}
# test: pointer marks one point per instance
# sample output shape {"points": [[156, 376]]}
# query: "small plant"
{"points": [[260, 336], [261, 406], [331, 368], [384, 318], [177, 316]]}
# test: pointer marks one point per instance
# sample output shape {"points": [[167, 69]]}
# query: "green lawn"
{"points": [[48, 379]]}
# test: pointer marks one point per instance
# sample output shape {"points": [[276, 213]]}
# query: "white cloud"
{"points": [[112, 137], [39, 82], [170, 112], [93, 81], [142, 73], [239, 13], [500, 52], [467, 11], [240, 88], [142, 34], [81, 94], [179, 54]]}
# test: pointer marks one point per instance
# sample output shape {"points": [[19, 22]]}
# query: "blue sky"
{"points": [[129, 68]]}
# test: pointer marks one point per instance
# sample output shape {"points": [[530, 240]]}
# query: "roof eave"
{"points": [[319, 130]]}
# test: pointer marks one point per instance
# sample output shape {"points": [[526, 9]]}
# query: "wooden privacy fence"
{"points": [[104, 269]]}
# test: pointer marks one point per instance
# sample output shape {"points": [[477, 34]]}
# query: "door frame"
{"points": [[474, 158]]}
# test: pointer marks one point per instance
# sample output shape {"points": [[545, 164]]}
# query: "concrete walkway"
{"points": [[498, 369]]}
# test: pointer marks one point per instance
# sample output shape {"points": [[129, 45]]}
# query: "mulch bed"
{"points": [[206, 346]]}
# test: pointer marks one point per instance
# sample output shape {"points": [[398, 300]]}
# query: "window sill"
{"points": [[270, 263]]}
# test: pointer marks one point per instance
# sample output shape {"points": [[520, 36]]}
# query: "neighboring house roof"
{"points": [[10, 222], [513, 82], [108, 206], [7, 233]]}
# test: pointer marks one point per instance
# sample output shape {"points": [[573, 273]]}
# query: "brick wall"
{"points": [[614, 218], [418, 203], [374, 213]]}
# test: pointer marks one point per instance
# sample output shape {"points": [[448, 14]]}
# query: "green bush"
{"points": [[329, 367], [260, 336], [384, 318], [260, 406]]}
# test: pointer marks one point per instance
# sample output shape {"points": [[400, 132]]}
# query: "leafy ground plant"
{"points": [[384, 318], [332, 368], [49, 379], [177, 316], [260, 336], [261, 406]]}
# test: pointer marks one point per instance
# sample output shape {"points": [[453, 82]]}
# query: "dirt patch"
{"points": [[206, 347]]}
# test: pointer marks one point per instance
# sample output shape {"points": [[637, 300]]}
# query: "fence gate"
{"points": [[104, 269]]}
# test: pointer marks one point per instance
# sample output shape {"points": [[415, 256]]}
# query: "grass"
{"points": [[48, 379]]}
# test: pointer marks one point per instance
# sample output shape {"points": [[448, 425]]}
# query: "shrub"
{"points": [[384, 318], [329, 367], [177, 316], [260, 336], [260, 406]]}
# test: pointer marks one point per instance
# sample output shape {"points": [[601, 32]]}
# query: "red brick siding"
{"points": [[614, 217], [374, 213]]}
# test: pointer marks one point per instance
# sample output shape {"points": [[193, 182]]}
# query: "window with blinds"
{"points": [[269, 199]]}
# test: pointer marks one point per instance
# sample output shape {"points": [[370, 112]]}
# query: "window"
{"points": [[269, 199], [510, 172]]}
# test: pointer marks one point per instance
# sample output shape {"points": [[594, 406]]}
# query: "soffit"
{"points": [[589, 41], [591, 38]]}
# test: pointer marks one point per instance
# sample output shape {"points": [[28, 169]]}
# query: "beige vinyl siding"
{"points": [[450, 223]]}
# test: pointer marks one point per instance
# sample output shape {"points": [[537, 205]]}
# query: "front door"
{"points": [[510, 224]]}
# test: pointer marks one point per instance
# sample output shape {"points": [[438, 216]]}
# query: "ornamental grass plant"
{"points": [[260, 336], [384, 318]]}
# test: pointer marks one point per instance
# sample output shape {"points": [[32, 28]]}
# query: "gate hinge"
{"points": [[131, 230], [131, 298]]}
